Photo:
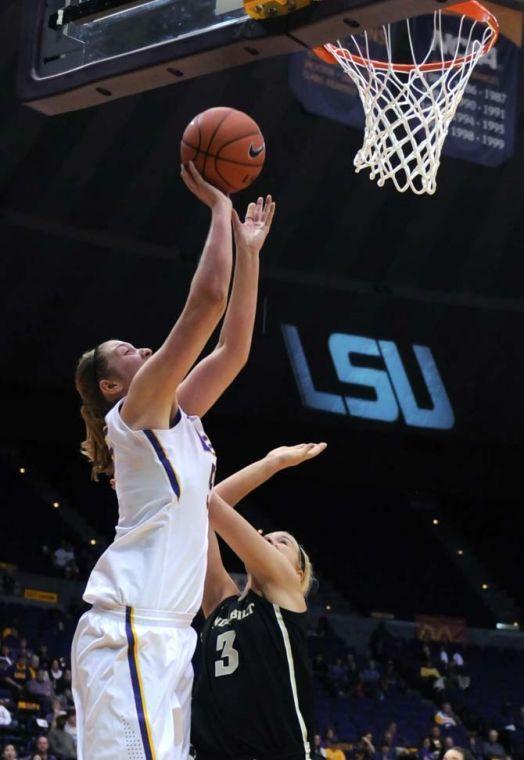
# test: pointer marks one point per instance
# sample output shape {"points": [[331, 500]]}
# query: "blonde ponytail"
{"points": [[306, 566], [93, 411]]}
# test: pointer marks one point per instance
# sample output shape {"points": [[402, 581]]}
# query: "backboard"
{"points": [[80, 53]]}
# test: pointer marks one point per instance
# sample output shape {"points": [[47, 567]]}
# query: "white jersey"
{"points": [[163, 479]]}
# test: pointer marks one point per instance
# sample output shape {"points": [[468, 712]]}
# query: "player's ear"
{"points": [[112, 389]]}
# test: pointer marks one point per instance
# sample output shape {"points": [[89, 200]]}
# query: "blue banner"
{"points": [[483, 129], [326, 90]]}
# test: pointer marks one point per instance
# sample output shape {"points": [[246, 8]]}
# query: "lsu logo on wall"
{"points": [[392, 389]]}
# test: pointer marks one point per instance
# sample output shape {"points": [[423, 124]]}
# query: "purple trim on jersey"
{"points": [[212, 476], [148, 750], [206, 443], [166, 464]]}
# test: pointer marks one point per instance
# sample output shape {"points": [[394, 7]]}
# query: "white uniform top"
{"points": [[163, 479]]}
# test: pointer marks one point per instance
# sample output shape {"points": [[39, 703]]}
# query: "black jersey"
{"points": [[254, 697]]}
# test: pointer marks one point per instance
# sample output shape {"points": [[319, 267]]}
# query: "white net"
{"points": [[409, 107]]}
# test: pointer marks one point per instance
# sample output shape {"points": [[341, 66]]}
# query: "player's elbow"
{"points": [[240, 360], [235, 358], [212, 293], [234, 349]]}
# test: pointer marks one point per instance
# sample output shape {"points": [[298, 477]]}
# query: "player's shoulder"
{"points": [[285, 617], [274, 612], [113, 415], [196, 424], [224, 607], [115, 422]]}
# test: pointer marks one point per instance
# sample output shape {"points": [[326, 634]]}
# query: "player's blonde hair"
{"points": [[305, 565], [91, 367]]}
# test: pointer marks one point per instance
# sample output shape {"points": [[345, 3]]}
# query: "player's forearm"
{"points": [[238, 486], [213, 273], [237, 330]]}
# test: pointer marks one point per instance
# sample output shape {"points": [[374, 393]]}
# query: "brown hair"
{"points": [[91, 367]]}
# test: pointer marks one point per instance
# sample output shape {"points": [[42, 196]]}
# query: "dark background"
{"points": [[99, 237]]}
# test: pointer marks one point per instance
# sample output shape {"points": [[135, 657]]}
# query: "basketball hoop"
{"points": [[408, 107]]}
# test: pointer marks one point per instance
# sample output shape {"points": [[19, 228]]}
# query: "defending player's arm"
{"points": [[210, 378], [238, 486], [218, 584], [275, 574], [151, 399]]}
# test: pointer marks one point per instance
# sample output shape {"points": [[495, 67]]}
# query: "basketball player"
{"points": [[132, 650], [254, 697]]}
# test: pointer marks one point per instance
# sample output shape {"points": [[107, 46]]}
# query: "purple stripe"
{"points": [[178, 417], [206, 443], [161, 454], [136, 686]]}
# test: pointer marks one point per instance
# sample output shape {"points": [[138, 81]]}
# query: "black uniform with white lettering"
{"points": [[254, 697]]}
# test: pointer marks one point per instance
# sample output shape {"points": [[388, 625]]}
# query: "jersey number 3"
{"points": [[228, 661]]}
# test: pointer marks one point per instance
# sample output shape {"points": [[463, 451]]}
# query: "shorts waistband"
{"points": [[140, 615]]}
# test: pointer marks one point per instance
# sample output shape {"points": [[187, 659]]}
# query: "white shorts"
{"points": [[132, 679]]}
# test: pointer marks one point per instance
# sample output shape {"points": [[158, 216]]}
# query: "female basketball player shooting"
{"points": [[254, 698], [132, 651]]}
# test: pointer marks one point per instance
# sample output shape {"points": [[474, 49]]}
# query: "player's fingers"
{"points": [[259, 211], [267, 207], [303, 448], [269, 219], [188, 180], [316, 449], [251, 212], [195, 174]]}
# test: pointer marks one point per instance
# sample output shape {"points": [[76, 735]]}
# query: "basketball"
{"points": [[226, 146]]}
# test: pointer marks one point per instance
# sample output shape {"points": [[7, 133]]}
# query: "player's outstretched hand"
{"points": [[290, 456], [250, 234], [204, 191]]}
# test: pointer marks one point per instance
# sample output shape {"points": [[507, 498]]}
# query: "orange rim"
{"points": [[471, 9]]}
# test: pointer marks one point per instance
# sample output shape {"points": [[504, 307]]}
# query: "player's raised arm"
{"points": [[148, 381], [151, 398], [262, 558], [241, 483], [210, 378], [218, 584]]}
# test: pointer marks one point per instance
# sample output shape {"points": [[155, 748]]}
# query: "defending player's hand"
{"points": [[204, 191], [290, 456], [251, 234]]}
